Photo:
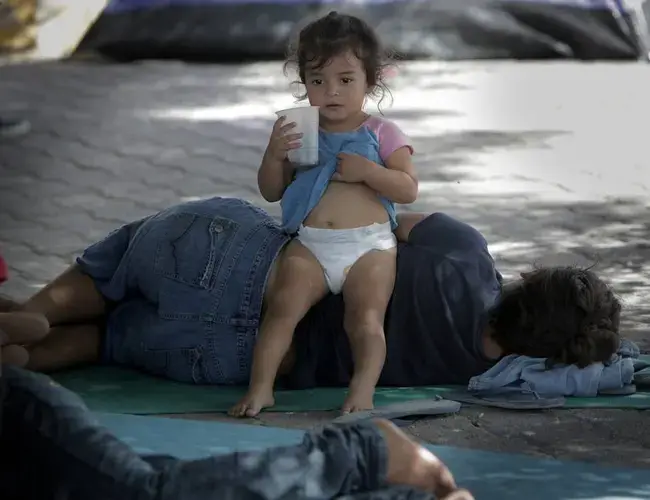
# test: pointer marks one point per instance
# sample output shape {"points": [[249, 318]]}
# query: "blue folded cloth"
{"points": [[525, 374]]}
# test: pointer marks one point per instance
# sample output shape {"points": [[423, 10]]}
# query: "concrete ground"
{"points": [[548, 160]]}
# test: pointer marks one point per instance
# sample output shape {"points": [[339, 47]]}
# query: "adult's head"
{"points": [[565, 314]]}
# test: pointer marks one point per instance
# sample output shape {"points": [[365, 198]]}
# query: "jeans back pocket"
{"points": [[193, 248]]}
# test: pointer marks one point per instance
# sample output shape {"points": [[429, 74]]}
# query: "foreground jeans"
{"points": [[50, 447]]}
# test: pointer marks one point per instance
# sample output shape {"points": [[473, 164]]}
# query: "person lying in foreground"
{"points": [[52, 448], [182, 295]]}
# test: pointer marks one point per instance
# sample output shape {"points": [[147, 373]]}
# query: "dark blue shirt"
{"points": [[446, 282]]}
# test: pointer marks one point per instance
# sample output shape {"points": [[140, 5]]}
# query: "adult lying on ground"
{"points": [[182, 294], [51, 447]]}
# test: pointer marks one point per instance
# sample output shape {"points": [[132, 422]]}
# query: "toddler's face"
{"points": [[339, 88]]}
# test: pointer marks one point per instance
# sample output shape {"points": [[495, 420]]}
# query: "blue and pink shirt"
{"points": [[376, 139]]}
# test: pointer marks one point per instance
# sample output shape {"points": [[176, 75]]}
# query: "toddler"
{"points": [[342, 212]]}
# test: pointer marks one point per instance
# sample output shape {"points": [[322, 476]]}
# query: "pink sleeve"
{"points": [[390, 137]]}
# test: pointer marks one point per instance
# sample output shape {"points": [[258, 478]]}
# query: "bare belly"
{"points": [[346, 206]]}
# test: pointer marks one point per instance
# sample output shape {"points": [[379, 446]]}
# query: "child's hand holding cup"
{"points": [[299, 123]]}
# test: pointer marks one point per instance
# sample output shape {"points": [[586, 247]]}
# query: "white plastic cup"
{"points": [[306, 119]]}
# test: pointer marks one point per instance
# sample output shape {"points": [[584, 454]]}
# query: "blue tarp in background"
{"points": [[214, 30]]}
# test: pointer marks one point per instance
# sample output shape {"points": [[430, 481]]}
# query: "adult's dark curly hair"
{"points": [[565, 314], [335, 34]]}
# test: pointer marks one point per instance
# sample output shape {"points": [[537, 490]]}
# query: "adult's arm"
{"points": [[406, 222], [440, 232]]}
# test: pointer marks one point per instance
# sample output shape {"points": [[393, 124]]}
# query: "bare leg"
{"points": [[71, 298], [300, 284], [366, 293], [66, 346]]}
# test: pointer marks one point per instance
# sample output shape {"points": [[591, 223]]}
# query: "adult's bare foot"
{"points": [[413, 465]]}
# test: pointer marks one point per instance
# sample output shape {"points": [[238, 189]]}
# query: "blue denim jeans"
{"points": [[51, 448], [187, 286]]}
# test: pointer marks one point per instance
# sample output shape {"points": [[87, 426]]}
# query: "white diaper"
{"points": [[338, 249]]}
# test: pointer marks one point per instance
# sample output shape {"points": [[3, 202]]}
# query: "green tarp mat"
{"points": [[116, 390]]}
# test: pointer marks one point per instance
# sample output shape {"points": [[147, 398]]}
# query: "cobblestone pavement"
{"points": [[548, 160]]}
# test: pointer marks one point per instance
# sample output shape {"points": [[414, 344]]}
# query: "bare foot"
{"points": [[359, 399], [413, 465], [253, 403]]}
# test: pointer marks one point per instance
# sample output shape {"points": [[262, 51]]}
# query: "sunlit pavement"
{"points": [[548, 160]]}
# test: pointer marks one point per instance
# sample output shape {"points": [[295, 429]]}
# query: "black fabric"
{"points": [[446, 282], [445, 29]]}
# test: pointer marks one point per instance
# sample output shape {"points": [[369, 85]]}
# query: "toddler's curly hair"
{"points": [[335, 34]]}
